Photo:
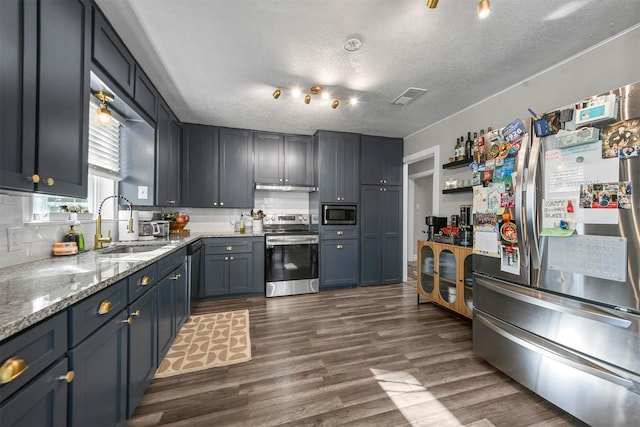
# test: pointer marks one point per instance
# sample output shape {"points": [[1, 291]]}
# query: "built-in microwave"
{"points": [[339, 215]]}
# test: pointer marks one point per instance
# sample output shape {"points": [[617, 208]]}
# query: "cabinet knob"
{"points": [[338, 246], [12, 368], [380, 189], [280, 180], [171, 202], [49, 182], [176, 277], [68, 377], [136, 313], [286, 180], [230, 257], [384, 181], [339, 232], [105, 307], [128, 321], [226, 258], [221, 203], [145, 280], [384, 189], [35, 178], [215, 203], [229, 248]]}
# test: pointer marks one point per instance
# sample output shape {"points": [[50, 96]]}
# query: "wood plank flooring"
{"points": [[368, 356]]}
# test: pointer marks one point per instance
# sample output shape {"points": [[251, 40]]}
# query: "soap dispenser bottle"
{"points": [[72, 237], [78, 231], [241, 223]]}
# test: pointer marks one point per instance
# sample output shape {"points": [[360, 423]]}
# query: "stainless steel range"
{"points": [[291, 264]]}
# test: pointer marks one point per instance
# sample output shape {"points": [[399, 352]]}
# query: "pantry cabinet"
{"points": [[283, 159], [217, 166], [338, 166], [45, 52], [445, 276], [381, 160]]}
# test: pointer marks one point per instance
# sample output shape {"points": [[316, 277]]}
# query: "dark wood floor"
{"points": [[367, 356]]}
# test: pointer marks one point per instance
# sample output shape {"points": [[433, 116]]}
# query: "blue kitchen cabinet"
{"points": [[143, 346], [233, 267], [380, 160], [338, 166], [145, 94], [99, 388], [339, 263], [45, 52], [380, 234], [166, 314], [217, 165], [282, 159], [168, 146]]}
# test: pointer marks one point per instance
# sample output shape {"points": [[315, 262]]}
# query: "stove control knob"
{"points": [[304, 218], [273, 218]]}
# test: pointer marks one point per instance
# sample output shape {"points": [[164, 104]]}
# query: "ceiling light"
{"points": [[314, 91], [484, 9], [103, 115], [431, 4]]}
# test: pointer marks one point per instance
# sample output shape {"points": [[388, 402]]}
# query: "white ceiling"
{"points": [[218, 61]]}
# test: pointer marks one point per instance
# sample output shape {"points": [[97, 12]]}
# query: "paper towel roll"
{"points": [[123, 222]]}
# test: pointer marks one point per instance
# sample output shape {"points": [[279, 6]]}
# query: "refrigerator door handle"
{"points": [[584, 310], [530, 203], [560, 354], [520, 182]]}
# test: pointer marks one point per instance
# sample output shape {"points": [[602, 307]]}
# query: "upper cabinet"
{"points": [[381, 160], [168, 146], [338, 166], [145, 94], [217, 167], [111, 55], [45, 53], [283, 159]]}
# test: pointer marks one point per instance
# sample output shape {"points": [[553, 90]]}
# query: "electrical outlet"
{"points": [[143, 192], [14, 238]]}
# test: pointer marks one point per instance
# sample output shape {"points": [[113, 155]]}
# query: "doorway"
{"points": [[421, 181]]}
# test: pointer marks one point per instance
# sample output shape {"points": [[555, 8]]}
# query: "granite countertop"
{"points": [[33, 291]]}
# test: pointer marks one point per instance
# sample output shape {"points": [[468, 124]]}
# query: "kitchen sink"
{"points": [[130, 249]]}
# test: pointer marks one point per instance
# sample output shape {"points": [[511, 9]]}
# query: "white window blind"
{"points": [[104, 145]]}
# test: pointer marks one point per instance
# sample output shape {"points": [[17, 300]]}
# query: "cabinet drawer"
{"points": [[335, 232], [227, 246], [171, 261], [88, 315], [38, 346], [141, 281]]}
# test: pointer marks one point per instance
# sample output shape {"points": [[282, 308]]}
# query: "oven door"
{"points": [[291, 264]]}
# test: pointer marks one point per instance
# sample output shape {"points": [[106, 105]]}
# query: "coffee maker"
{"points": [[434, 224]]}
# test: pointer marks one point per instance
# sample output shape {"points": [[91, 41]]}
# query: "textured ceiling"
{"points": [[218, 61]]}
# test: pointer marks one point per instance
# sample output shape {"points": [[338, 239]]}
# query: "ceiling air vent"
{"points": [[409, 96]]}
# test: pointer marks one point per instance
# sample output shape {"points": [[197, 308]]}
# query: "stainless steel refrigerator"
{"points": [[557, 293]]}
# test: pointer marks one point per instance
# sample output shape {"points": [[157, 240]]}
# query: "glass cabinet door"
{"points": [[447, 275], [427, 259]]}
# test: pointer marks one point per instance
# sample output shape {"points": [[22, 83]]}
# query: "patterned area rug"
{"points": [[208, 340]]}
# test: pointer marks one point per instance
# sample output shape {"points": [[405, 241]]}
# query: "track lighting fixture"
{"points": [[103, 115], [311, 92], [484, 9]]}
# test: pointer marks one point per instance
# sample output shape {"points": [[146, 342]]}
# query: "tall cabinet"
{"points": [[168, 146], [45, 52], [380, 210]]}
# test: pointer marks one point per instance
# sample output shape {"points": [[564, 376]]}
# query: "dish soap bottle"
{"points": [[241, 223], [72, 237], [78, 231]]}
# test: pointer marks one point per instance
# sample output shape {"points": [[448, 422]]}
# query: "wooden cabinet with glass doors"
{"points": [[445, 276]]}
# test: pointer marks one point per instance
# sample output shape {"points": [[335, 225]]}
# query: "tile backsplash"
{"points": [[36, 239]]}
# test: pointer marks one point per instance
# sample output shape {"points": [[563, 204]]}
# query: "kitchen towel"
{"points": [[208, 340]]}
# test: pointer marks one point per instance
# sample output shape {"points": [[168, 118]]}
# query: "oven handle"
{"points": [[291, 240]]}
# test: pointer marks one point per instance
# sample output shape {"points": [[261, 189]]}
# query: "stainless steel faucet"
{"points": [[99, 239]]}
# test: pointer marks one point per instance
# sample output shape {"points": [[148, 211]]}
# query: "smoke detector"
{"points": [[352, 44], [408, 96]]}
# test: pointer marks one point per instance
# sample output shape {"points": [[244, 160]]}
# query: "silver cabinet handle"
{"points": [[338, 246], [176, 277], [339, 232]]}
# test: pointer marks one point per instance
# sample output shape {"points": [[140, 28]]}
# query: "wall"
{"points": [[605, 66], [37, 238]]}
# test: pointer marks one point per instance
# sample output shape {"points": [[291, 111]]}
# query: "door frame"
{"points": [[408, 187]]}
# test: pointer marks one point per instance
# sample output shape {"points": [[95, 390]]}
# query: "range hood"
{"points": [[276, 187]]}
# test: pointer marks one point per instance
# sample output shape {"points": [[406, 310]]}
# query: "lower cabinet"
{"points": [[41, 403], [99, 388], [339, 263], [445, 275], [143, 346], [233, 266], [166, 315]]}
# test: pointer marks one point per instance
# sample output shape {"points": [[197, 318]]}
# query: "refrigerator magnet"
{"points": [[509, 259], [508, 232]]}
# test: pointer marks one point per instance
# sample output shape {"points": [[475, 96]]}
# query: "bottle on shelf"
{"points": [[474, 147], [481, 155], [467, 146], [458, 152]]}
